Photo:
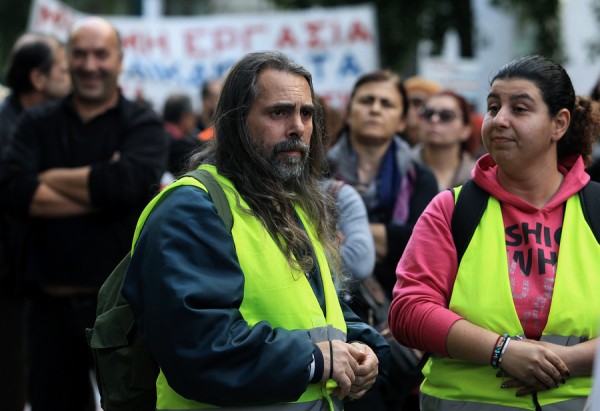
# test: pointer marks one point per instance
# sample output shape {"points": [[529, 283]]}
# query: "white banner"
{"points": [[176, 54]]}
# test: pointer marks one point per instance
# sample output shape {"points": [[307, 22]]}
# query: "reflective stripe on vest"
{"points": [[291, 302], [483, 296], [296, 406], [429, 403]]}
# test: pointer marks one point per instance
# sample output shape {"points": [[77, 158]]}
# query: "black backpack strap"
{"points": [[468, 209], [216, 193], [590, 204]]}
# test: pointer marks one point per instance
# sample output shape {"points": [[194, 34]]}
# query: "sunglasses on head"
{"points": [[444, 116]]}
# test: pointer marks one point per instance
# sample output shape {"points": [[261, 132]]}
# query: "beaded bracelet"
{"points": [[497, 353], [502, 352]]}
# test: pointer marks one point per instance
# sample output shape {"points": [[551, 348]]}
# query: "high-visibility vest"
{"points": [[482, 295], [273, 292]]}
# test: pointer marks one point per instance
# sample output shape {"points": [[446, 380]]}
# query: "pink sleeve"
{"points": [[419, 316]]}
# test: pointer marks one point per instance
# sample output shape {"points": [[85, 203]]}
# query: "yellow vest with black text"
{"points": [[273, 291], [482, 295]]}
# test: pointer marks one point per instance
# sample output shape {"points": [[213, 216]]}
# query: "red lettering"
{"points": [[192, 39], [286, 39], [224, 39], [358, 32], [58, 18], [142, 43], [313, 31]]}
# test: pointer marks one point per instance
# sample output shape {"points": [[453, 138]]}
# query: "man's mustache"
{"points": [[290, 145]]}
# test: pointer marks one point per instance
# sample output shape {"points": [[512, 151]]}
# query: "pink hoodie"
{"points": [[419, 316]]}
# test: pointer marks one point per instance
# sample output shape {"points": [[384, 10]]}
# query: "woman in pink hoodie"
{"points": [[513, 324]]}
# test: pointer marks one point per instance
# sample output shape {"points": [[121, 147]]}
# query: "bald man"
{"points": [[79, 173]]}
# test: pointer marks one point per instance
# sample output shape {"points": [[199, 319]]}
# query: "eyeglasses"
{"points": [[444, 116]]}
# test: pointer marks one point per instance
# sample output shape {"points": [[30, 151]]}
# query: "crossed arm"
{"points": [[62, 192]]}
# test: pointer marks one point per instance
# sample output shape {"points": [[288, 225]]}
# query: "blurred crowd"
{"points": [[80, 161]]}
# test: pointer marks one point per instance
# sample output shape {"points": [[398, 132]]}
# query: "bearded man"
{"points": [[251, 317]]}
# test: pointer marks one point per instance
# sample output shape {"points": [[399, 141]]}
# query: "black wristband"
{"points": [[319, 366], [330, 360]]}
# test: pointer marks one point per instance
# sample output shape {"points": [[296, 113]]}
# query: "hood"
{"points": [[485, 174]]}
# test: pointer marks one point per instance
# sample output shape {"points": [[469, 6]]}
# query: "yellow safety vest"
{"points": [[291, 302], [482, 295]]}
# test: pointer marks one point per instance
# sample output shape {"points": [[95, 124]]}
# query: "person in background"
{"points": [[357, 248], [418, 90], [37, 72], [370, 156], [209, 97], [501, 323], [594, 168], [250, 318], [180, 123], [446, 131], [78, 172]]}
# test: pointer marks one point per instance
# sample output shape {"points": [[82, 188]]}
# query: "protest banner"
{"points": [[164, 55]]}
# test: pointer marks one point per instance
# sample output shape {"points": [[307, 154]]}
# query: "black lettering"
{"points": [[547, 237], [511, 232], [524, 263], [542, 260], [558, 235], [537, 232]]}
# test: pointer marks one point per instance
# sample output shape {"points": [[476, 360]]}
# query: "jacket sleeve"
{"points": [[425, 187], [20, 165], [358, 248], [134, 177], [185, 287], [419, 316]]}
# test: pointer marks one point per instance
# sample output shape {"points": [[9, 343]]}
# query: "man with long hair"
{"points": [[251, 317]]}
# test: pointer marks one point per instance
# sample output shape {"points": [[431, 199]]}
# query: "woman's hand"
{"points": [[532, 366]]}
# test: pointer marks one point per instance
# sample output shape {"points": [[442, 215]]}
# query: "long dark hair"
{"points": [[557, 92], [233, 152]]}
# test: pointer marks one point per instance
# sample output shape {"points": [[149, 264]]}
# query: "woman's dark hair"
{"points": [[557, 92]]}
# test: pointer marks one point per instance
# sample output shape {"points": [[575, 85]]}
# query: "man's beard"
{"points": [[286, 168]]}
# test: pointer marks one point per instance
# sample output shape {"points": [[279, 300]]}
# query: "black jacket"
{"points": [[82, 250]]}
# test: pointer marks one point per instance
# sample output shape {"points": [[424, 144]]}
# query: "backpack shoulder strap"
{"points": [[590, 204], [468, 209], [216, 193]]}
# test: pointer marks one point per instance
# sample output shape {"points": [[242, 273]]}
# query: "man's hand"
{"points": [[367, 371], [346, 358]]}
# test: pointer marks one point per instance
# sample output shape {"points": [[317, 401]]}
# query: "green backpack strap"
{"points": [[216, 193], [590, 203], [468, 210], [126, 372]]}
